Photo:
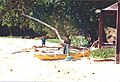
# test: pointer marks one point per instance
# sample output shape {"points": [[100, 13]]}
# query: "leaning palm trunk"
{"points": [[47, 25]]}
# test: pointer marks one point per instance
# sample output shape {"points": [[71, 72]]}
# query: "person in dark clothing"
{"points": [[67, 43], [89, 40]]}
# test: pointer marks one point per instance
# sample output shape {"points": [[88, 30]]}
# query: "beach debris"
{"points": [[93, 73], [11, 70], [68, 58], [58, 70]]}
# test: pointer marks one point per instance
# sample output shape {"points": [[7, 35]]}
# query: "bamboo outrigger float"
{"points": [[62, 56]]}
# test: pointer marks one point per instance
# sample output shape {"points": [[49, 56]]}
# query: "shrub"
{"points": [[103, 53], [79, 41]]}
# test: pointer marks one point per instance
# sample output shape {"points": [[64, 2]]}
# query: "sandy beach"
{"points": [[18, 65]]}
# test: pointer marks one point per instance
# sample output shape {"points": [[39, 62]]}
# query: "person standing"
{"points": [[89, 40], [67, 43], [43, 40]]}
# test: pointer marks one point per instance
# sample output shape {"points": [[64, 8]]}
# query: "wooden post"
{"points": [[118, 35], [100, 30]]}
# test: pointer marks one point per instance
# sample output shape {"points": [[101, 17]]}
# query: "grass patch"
{"points": [[9, 36], [53, 40], [103, 53]]}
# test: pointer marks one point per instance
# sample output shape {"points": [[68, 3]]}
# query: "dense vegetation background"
{"points": [[74, 17]]}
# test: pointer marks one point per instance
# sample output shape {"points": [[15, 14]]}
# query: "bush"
{"points": [[103, 53], [79, 41]]}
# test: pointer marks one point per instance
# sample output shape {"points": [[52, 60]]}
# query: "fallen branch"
{"points": [[47, 25]]}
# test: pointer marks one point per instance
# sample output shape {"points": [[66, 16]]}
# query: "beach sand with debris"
{"points": [[19, 65]]}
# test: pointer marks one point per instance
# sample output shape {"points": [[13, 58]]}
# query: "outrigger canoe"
{"points": [[62, 56]]}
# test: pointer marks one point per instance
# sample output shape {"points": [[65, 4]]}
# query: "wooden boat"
{"points": [[62, 56]]}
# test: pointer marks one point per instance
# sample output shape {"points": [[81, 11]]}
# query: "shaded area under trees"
{"points": [[73, 17]]}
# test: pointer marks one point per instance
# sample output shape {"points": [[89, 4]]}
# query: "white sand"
{"points": [[23, 66]]}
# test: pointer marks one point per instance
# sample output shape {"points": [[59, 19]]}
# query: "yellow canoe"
{"points": [[61, 56]]}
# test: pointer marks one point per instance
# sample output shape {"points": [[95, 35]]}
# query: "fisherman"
{"points": [[67, 43]]}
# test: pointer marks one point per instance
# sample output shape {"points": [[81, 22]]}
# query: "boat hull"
{"points": [[61, 56]]}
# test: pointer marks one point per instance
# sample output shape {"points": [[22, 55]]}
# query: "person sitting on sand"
{"points": [[43, 40], [67, 43]]}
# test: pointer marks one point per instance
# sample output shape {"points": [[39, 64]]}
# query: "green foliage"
{"points": [[51, 34], [10, 37], [70, 15], [53, 40], [79, 41], [65, 15], [103, 53], [76, 41]]}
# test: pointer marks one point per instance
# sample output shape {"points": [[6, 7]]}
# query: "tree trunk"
{"points": [[55, 30]]}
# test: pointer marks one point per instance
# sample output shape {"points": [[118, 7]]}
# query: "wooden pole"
{"points": [[118, 35], [100, 30]]}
